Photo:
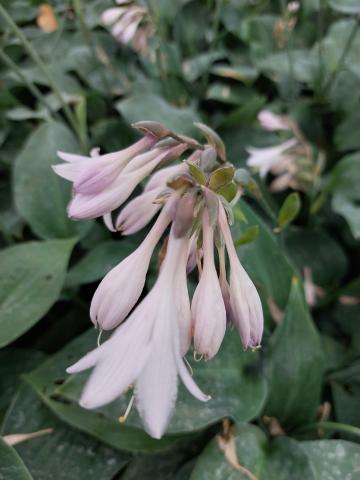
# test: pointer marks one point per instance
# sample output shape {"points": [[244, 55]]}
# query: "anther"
{"points": [[99, 338], [124, 417], [198, 358], [191, 371]]}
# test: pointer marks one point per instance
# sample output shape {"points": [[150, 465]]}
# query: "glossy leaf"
{"points": [[11, 465], [289, 209], [41, 196], [294, 364], [32, 277]]}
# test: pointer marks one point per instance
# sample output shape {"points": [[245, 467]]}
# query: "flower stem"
{"points": [[38, 61], [33, 88], [343, 55]]}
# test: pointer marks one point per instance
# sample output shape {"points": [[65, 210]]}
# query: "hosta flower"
{"points": [[271, 121], [246, 309], [264, 159], [116, 295], [145, 351], [207, 308], [153, 336], [292, 163], [129, 23]]}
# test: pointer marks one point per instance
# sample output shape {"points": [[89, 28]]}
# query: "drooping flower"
{"points": [[271, 121], [264, 159], [130, 24], [246, 309], [207, 308], [116, 295], [145, 351]]}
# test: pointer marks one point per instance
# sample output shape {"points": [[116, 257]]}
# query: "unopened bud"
{"points": [[184, 214]]}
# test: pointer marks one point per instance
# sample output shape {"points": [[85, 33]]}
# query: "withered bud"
{"points": [[184, 214], [180, 181], [152, 128], [213, 139]]}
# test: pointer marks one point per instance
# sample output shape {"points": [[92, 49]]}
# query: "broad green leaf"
{"points": [[346, 134], [345, 179], [351, 7], [264, 260], [315, 249], [281, 459], [32, 277], [289, 209], [232, 379], [199, 65], [99, 261], [249, 235], [41, 196], [63, 454], [13, 363], [333, 459], [149, 106], [11, 465], [295, 364]]}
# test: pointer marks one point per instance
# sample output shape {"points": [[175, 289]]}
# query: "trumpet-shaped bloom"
{"points": [[117, 294], [208, 310], [145, 351], [263, 159], [99, 203], [93, 174], [138, 212], [245, 302], [271, 121]]}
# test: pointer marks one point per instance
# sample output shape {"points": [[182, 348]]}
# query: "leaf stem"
{"points": [[32, 87], [343, 55], [38, 61]]}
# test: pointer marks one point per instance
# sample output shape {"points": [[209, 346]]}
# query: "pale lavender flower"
{"points": [[207, 308], [144, 351], [96, 203], [272, 121], [246, 309], [121, 288], [264, 159], [93, 174]]}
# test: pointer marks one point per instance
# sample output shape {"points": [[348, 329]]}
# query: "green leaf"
{"points": [[13, 363], [345, 180], [315, 249], [295, 364], [289, 209], [99, 261], [148, 106], [281, 459], [236, 387], [32, 277], [11, 465], [351, 7], [196, 66], [249, 235], [264, 260], [63, 454], [41, 196], [333, 459]]}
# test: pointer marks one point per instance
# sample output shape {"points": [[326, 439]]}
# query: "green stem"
{"points": [[33, 88], [36, 58], [332, 427], [343, 56]]}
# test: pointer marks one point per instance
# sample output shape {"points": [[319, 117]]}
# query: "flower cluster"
{"points": [[129, 24], [291, 162], [191, 199]]}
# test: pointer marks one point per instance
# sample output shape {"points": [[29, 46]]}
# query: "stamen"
{"points": [[196, 358], [254, 349], [124, 417], [99, 338], [187, 363]]}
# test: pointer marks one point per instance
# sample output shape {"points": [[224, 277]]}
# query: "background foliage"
{"points": [[294, 403]]}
